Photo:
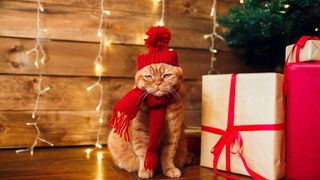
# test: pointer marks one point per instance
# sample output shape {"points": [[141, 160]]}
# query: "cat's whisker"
{"points": [[175, 95], [143, 96]]}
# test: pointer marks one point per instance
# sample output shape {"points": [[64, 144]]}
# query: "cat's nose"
{"points": [[157, 83]]}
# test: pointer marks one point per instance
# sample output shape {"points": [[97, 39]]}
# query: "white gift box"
{"points": [[310, 52], [258, 100]]}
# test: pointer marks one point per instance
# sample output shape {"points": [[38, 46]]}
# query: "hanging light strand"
{"points": [[163, 13], [99, 71], [38, 51], [213, 36]]}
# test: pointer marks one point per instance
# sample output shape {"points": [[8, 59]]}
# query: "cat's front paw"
{"points": [[145, 173], [173, 173]]}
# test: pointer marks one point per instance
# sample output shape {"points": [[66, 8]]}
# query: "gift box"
{"points": [[243, 125], [306, 49], [303, 112], [303, 120]]}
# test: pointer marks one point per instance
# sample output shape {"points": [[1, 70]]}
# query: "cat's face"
{"points": [[159, 79]]}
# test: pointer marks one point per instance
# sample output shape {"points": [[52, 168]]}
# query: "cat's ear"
{"points": [[179, 72], [137, 77]]}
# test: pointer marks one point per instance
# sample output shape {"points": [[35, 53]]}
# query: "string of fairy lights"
{"points": [[99, 70], [41, 56], [104, 43], [213, 36], [38, 52], [163, 12]]}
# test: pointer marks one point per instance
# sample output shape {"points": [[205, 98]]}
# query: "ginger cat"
{"points": [[158, 80]]}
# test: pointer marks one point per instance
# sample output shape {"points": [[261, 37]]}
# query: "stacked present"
{"points": [[243, 119], [302, 72]]}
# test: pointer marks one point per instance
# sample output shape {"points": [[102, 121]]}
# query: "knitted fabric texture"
{"points": [[157, 41], [127, 108]]}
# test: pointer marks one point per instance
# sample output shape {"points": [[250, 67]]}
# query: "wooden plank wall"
{"points": [[68, 116]]}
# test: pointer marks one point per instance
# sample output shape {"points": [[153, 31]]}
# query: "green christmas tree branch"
{"points": [[263, 28]]}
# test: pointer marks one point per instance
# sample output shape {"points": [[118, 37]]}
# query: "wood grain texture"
{"points": [[19, 93], [67, 112], [80, 24], [75, 20], [189, 8], [62, 128], [77, 59], [73, 163]]}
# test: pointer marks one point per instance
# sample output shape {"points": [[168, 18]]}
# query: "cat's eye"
{"points": [[167, 75], [147, 77]]}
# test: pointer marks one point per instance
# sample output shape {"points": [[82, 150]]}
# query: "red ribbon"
{"points": [[300, 44], [231, 137]]}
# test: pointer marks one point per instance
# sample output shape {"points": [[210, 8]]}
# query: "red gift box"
{"points": [[303, 119]]}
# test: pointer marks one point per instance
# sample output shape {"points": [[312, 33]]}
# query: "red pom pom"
{"points": [[158, 37]]}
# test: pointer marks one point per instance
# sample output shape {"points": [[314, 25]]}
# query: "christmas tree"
{"points": [[263, 28]]}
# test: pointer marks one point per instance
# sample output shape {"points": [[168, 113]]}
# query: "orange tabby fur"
{"points": [[157, 79]]}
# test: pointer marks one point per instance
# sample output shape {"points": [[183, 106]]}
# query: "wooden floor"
{"points": [[76, 163]]}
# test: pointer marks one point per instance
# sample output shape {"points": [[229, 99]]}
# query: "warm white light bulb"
{"points": [[107, 43], [286, 6], [28, 52], [212, 12], [45, 30], [43, 60], [36, 64], [206, 36], [44, 90], [98, 107], [99, 33], [160, 23], [107, 12], [33, 115], [101, 120], [316, 29], [41, 8], [241, 1], [90, 88], [98, 68]]}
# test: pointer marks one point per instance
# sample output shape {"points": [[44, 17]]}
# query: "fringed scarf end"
{"points": [[150, 162], [120, 123]]}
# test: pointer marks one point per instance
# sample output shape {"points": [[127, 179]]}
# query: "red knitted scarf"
{"points": [[127, 108]]}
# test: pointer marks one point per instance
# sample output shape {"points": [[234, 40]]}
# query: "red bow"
{"points": [[300, 44], [231, 137]]}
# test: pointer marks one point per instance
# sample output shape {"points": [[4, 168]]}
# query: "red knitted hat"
{"points": [[157, 41]]}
